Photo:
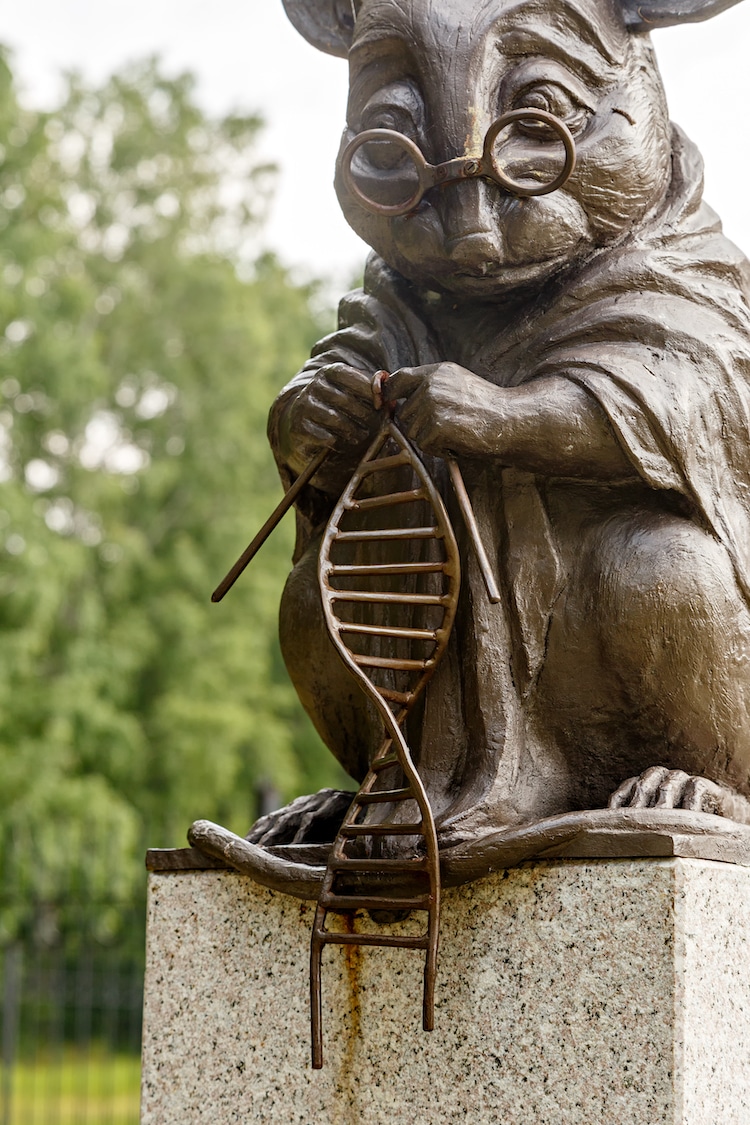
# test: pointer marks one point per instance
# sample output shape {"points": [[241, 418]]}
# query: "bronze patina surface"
{"points": [[567, 336]]}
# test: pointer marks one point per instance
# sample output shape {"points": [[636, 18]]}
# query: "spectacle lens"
{"points": [[383, 169], [531, 152]]}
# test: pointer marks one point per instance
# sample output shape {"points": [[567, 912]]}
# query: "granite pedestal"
{"points": [[570, 992]]}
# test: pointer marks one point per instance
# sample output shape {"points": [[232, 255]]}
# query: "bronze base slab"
{"points": [[595, 834]]}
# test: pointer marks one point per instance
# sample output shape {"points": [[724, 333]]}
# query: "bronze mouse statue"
{"points": [[584, 354]]}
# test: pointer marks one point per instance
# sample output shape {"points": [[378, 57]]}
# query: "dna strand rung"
{"points": [[356, 617], [390, 618]]}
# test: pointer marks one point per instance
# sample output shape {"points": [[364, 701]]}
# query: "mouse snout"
{"points": [[473, 238], [477, 252]]}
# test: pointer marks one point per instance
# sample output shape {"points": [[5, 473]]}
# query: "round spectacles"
{"points": [[388, 175]]}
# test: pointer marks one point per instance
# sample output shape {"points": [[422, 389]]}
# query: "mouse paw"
{"points": [[314, 819], [662, 788]]}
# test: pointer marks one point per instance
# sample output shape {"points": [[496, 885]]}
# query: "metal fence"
{"points": [[71, 1031], [72, 947]]}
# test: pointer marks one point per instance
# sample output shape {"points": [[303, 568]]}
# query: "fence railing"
{"points": [[70, 1035]]}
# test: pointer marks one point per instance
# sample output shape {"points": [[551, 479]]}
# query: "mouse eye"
{"points": [[395, 118], [555, 100], [383, 156], [397, 107]]}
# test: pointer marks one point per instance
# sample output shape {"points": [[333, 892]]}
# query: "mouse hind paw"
{"points": [[662, 788]]}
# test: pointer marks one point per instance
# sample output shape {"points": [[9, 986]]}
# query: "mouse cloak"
{"points": [[656, 329]]}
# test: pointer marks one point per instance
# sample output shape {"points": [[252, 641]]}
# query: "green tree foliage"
{"points": [[140, 348]]}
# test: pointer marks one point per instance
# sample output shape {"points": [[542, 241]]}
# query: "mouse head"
{"points": [[440, 76]]}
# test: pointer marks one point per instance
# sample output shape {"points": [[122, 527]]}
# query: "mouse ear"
{"points": [[644, 15], [327, 24]]}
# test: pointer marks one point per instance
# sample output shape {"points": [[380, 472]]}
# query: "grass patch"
{"points": [[74, 1087]]}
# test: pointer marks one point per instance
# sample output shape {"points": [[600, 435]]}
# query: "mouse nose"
{"points": [[476, 252], [473, 238]]}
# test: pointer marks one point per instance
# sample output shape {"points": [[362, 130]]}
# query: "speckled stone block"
{"points": [[570, 992]]}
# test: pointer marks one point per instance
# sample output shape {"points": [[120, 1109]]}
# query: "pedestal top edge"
{"points": [[731, 848]]}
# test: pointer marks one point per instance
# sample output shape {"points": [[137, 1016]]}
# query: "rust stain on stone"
{"points": [[348, 1074], [353, 961]]}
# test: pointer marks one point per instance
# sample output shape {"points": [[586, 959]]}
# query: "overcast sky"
{"points": [[246, 55]]}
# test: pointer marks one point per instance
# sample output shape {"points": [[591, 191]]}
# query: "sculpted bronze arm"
{"points": [[549, 426], [317, 464]]}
